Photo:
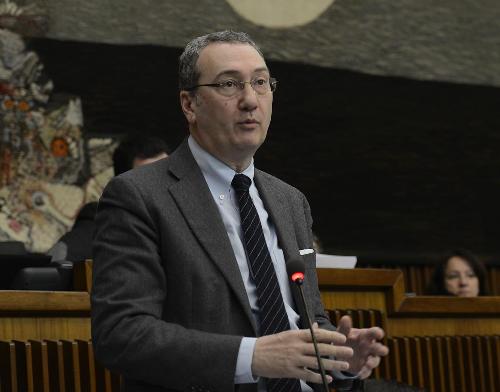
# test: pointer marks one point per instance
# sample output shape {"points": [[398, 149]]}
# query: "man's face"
{"points": [[230, 128], [460, 278]]}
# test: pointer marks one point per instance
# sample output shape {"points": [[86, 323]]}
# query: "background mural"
{"points": [[46, 170], [385, 114]]}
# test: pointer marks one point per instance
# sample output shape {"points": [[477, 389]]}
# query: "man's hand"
{"points": [[288, 354], [366, 348]]}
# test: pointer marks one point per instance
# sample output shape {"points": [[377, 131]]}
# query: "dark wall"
{"points": [[391, 166], [456, 41]]}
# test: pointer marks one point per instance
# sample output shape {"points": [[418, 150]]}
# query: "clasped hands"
{"points": [[290, 354]]}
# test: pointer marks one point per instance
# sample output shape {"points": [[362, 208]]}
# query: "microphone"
{"points": [[295, 269]]}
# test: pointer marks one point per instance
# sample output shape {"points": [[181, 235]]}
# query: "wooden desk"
{"points": [[445, 344], [420, 353], [42, 315], [384, 290], [66, 315]]}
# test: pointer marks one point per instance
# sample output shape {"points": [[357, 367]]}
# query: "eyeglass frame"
{"points": [[273, 85]]}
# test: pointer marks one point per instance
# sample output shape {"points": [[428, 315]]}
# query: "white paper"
{"points": [[334, 261]]}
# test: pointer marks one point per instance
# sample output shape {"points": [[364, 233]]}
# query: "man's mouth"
{"points": [[249, 121]]}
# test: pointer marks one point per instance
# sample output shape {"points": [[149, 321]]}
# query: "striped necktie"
{"points": [[273, 317]]}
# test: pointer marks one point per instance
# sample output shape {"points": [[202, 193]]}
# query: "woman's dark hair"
{"points": [[437, 286]]}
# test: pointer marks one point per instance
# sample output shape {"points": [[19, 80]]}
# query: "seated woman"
{"points": [[460, 274]]}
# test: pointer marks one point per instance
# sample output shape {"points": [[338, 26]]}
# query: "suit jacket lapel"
{"points": [[281, 216], [201, 213]]}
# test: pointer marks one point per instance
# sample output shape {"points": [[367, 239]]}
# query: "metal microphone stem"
{"points": [[320, 364]]}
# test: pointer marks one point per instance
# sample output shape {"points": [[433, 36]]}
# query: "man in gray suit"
{"points": [[175, 300]]}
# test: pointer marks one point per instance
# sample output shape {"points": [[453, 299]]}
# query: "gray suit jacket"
{"points": [[169, 307]]}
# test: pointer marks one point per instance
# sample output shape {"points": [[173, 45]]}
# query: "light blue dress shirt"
{"points": [[218, 177]]}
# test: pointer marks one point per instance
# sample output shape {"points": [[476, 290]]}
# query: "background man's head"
{"points": [[138, 150]]}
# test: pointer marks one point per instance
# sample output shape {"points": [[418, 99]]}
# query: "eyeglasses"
{"points": [[231, 87]]}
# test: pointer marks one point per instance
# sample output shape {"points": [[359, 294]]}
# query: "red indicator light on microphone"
{"points": [[297, 276]]}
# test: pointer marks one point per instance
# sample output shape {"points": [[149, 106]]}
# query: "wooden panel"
{"points": [[434, 326], [496, 360], [41, 315], [55, 366], [87, 366], [44, 302], [428, 362], [384, 290], [105, 380], [24, 374], [361, 318], [445, 364], [82, 276], [439, 363], [440, 360], [417, 277], [396, 359], [494, 280], [493, 361], [8, 367], [353, 300], [40, 363], [415, 327], [71, 366], [25, 328]]}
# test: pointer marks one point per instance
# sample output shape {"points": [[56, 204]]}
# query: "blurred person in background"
{"points": [[460, 274], [133, 151]]}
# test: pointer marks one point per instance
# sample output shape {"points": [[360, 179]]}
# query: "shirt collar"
{"points": [[217, 174]]}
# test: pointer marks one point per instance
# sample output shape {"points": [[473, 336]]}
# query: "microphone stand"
{"points": [[299, 282]]}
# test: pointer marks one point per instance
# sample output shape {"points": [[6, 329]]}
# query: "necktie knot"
{"points": [[241, 183]]}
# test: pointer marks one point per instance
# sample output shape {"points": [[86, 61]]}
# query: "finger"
{"points": [[323, 336], [324, 349], [364, 373], [328, 364], [378, 349], [375, 333], [372, 362], [326, 336], [334, 364], [315, 325], [343, 353], [345, 325], [313, 377]]}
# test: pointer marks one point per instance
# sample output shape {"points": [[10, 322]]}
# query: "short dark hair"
{"points": [[437, 286], [133, 147], [188, 72]]}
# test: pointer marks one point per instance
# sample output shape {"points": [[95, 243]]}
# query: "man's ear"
{"points": [[188, 100]]}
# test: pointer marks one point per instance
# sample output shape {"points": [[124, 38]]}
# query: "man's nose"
{"points": [[248, 97]]}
